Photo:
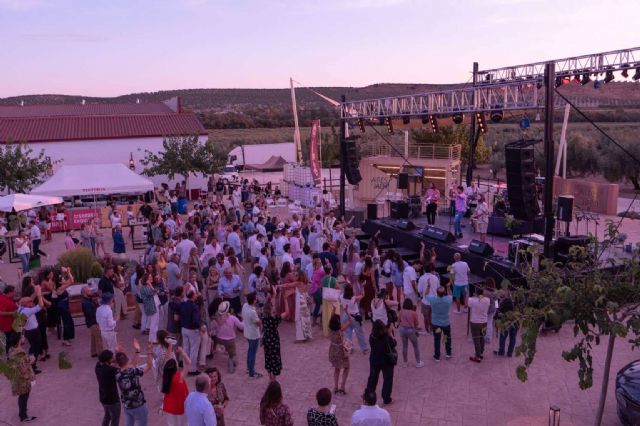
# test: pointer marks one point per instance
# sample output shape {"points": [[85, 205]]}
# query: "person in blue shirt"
{"points": [[440, 321], [230, 288], [327, 257], [234, 241]]}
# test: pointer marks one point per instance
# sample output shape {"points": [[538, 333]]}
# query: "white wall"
{"points": [[110, 151]]}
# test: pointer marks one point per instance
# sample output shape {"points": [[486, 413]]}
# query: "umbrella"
{"points": [[19, 202]]}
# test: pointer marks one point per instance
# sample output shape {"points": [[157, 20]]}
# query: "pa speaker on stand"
{"points": [[403, 181]]}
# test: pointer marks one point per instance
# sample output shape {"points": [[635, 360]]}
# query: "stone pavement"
{"points": [[454, 392]]}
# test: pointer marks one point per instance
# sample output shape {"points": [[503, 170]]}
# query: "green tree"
{"points": [[20, 168], [617, 165], [599, 303], [182, 156], [582, 156]]}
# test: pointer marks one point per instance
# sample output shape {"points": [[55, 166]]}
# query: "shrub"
{"points": [[96, 270], [81, 262]]}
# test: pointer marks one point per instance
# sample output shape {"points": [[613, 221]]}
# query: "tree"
{"points": [[582, 156], [182, 156], [617, 165], [602, 303], [497, 162], [20, 169]]}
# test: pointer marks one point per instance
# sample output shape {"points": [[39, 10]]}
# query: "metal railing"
{"points": [[423, 151]]}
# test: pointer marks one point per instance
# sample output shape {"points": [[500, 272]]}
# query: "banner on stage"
{"points": [[314, 157]]}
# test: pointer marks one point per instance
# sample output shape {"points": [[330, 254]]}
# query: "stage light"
{"points": [[585, 79], [457, 118], [597, 84], [434, 123], [361, 125], [425, 117], [625, 73], [389, 123], [487, 77], [406, 119], [482, 123], [497, 114], [608, 78], [576, 79], [636, 76], [558, 81]]}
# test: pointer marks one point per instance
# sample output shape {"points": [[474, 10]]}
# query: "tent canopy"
{"points": [[275, 163], [94, 179], [20, 202]]}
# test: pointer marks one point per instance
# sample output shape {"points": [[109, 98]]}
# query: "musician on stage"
{"points": [[480, 217], [432, 197]]}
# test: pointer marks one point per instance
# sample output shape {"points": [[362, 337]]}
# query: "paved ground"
{"points": [[455, 392]]}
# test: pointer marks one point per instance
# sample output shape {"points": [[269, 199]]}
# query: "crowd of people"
{"points": [[230, 266]]}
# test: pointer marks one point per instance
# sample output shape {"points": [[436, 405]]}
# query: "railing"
{"points": [[423, 151]]}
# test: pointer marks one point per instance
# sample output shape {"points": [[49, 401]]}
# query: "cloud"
{"points": [[20, 4], [65, 37]]}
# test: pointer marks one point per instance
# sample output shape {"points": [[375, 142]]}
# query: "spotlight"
{"points": [[576, 79], [497, 114], [425, 117], [457, 118], [482, 124], [608, 78], [625, 73], [636, 76], [558, 81], [434, 123], [406, 119], [361, 125], [487, 77], [597, 84], [585, 79], [389, 123]]}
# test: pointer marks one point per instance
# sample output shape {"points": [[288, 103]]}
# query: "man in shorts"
{"points": [[460, 277]]}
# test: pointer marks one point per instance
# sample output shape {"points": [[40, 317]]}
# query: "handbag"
{"points": [[392, 353], [330, 294], [347, 346]]}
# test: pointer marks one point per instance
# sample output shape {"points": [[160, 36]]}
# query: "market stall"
{"points": [[93, 181]]}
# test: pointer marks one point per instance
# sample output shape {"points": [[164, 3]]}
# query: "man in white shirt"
{"points": [[460, 277], [183, 248], [234, 241], [251, 331], [479, 305], [104, 318], [255, 246], [410, 282], [428, 286], [36, 239], [262, 259], [197, 408], [279, 240], [369, 414], [171, 225]]}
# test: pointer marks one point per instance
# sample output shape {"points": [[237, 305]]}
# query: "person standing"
{"points": [[410, 282], [460, 276], [226, 325], [428, 285], [511, 328], [191, 323], [174, 277], [383, 358], [481, 216], [323, 415], [175, 389], [31, 331], [351, 315], [36, 239], [432, 199], [128, 380], [479, 305], [408, 327], [106, 323], [273, 412], [119, 247], [338, 353], [251, 331], [107, 388], [369, 414], [460, 209], [197, 408], [8, 307], [89, 309], [21, 381], [218, 396], [150, 304], [230, 288], [271, 341], [183, 249], [22, 250], [107, 281], [330, 298], [440, 321]]}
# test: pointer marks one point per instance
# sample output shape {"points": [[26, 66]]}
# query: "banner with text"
{"points": [[314, 152]]}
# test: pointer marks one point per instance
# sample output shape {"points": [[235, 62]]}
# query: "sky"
{"points": [[115, 47]]}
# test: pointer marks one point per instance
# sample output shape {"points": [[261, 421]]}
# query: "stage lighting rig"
{"points": [[361, 125], [497, 114], [389, 123], [608, 77], [406, 119], [482, 123], [636, 76], [434, 123], [425, 117], [585, 79], [457, 117]]}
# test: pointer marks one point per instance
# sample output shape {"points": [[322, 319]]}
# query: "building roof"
{"points": [[86, 127], [82, 110]]}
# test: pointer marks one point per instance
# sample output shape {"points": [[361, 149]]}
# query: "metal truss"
{"points": [[506, 89], [596, 63]]}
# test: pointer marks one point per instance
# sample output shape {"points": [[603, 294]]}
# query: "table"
{"points": [[11, 248], [141, 242]]}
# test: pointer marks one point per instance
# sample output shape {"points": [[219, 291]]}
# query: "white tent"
{"points": [[20, 202], [94, 179]]}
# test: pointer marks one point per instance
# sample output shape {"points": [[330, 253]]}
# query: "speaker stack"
{"points": [[565, 208], [352, 165], [403, 180], [521, 184]]}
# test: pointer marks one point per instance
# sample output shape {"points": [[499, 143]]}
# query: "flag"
{"points": [[314, 157]]}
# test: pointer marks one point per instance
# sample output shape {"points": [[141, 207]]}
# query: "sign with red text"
{"points": [[78, 217]]}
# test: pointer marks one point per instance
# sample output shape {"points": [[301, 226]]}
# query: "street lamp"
{"points": [[132, 164]]}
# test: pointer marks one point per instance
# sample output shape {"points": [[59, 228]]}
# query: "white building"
{"points": [[100, 133]]}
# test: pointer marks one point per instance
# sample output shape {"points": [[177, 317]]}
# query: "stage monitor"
{"points": [[480, 248], [438, 234]]}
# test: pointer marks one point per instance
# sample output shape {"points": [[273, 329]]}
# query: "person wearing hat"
{"points": [[226, 332], [89, 309], [104, 318]]}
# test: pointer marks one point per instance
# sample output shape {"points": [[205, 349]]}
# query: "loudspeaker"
{"points": [[521, 184], [403, 180], [351, 162], [406, 225], [399, 210], [565, 208], [478, 247], [563, 244], [438, 234], [372, 212]]}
